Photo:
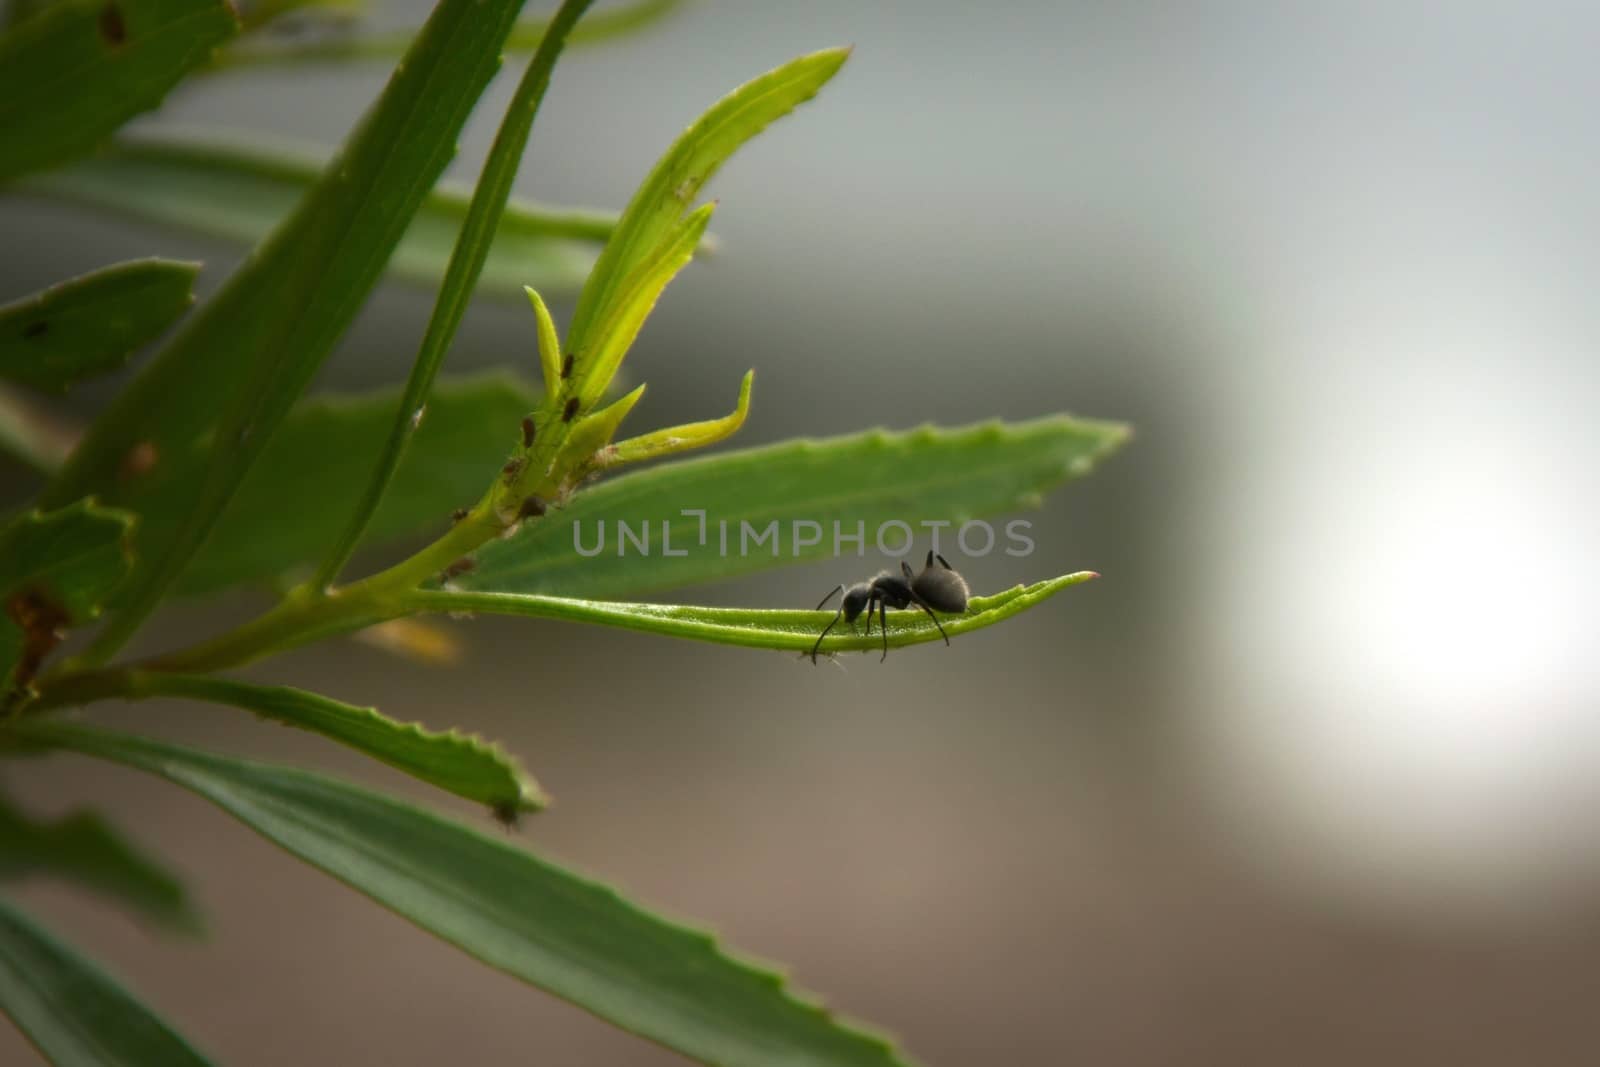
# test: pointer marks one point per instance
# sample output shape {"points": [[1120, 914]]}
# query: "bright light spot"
{"points": [[1409, 701]]}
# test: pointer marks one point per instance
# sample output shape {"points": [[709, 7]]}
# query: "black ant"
{"points": [[931, 590]]}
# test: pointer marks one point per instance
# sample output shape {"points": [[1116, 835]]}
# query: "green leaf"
{"points": [[220, 189], [658, 208], [84, 849], [635, 299], [681, 438], [91, 324], [73, 73], [56, 569], [777, 629], [243, 359], [71, 1011], [458, 763], [603, 26], [460, 278], [283, 516], [510, 909], [77, 554], [873, 478]]}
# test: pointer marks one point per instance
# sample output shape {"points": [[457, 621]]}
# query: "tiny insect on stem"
{"points": [[464, 565]]}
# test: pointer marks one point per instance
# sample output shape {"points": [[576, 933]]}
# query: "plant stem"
{"points": [[305, 614]]}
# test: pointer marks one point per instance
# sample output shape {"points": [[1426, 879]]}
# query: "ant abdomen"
{"points": [[941, 588]]}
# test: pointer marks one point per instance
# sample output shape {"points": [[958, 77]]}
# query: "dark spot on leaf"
{"points": [[570, 410], [113, 28], [532, 508], [36, 329], [528, 430], [566, 367], [458, 514], [140, 460]]}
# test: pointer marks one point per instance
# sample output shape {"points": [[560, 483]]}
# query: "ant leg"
{"points": [[935, 619], [883, 626], [836, 589], [823, 634]]}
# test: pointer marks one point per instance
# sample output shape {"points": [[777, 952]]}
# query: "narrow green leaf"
{"points": [[463, 764], [777, 629], [71, 1011], [82, 848], [74, 72], [91, 324], [674, 439], [510, 909], [322, 454], [661, 203], [598, 359], [915, 477], [359, 44], [217, 188], [460, 277], [243, 359], [56, 569], [549, 343]]}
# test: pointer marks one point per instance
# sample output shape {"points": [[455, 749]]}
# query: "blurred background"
{"points": [[1310, 776]]}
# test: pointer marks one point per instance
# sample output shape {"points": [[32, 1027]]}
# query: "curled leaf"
{"points": [[683, 438]]}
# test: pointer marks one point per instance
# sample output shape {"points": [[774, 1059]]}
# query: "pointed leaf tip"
{"points": [[549, 343], [684, 438], [657, 209]]}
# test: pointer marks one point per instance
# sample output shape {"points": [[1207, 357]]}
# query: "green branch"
{"points": [[466, 262]]}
